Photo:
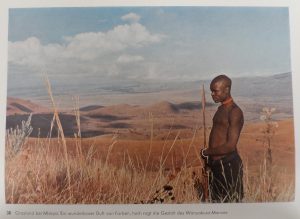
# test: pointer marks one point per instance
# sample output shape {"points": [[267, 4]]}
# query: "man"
{"points": [[226, 170]]}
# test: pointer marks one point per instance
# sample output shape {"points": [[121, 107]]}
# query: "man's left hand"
{"points": [[203, 154]]}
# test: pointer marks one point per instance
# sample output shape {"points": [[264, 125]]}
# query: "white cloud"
{"points": [[27, 52], [91, 45], [129, 58], [105, 55], [31, 52], [84, 46], [131, 17]]}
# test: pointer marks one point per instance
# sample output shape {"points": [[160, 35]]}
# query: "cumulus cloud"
{"points": [[129, 59], [131, 17], [84, 46], [31, 52], [113, 54], [88, 46]]}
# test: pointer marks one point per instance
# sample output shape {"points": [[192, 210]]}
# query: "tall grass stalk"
{"points": [[61, 131]]}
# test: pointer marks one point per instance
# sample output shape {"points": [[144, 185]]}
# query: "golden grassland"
{"points": [[110, 170]]}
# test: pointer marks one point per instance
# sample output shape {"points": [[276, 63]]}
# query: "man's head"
{"points": [[220, 88]]}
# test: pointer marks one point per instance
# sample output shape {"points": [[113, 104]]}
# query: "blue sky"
{"points": [[147, 43]]}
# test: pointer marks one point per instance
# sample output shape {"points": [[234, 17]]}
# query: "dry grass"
{"points": [[92, 171], [44, 171], [39, 174]]}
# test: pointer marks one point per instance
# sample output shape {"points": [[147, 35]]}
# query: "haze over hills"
{"points": [[176, 106], [276, 86], [146, 92]]}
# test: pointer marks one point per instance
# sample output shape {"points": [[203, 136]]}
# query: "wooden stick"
{"points": [[205, 174], [203, 114]]}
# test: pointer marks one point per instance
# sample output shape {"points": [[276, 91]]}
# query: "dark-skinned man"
{"points": [[226, 168]]}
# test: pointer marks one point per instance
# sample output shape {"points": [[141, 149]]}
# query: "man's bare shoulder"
{"points": [[236, 112], [236, 108]]}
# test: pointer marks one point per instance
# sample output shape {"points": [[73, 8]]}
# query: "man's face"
{"points": [[219, 92]]}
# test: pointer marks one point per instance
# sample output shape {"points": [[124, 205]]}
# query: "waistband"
{"points": [[227, 158]]}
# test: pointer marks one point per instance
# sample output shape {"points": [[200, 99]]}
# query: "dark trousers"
{"points": [[226, 179]]}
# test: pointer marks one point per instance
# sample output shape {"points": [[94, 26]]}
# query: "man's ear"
{"points": [[227, 89]]}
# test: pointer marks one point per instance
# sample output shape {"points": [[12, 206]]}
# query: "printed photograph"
{"points": [[149, 105]]}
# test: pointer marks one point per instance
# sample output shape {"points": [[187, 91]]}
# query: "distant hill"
{"points": [[90, 107], [275, 85], [163, 107], [146, 92], [20, 106], [279, 85], [176, 106], [102, 120]]}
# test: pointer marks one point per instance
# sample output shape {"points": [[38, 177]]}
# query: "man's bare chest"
{"points": [[221, 117]]}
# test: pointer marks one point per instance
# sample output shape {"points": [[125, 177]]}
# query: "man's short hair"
{"points": [[226, 80]]}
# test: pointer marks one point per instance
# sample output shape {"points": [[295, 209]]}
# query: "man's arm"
{"points": [[236, 121]]}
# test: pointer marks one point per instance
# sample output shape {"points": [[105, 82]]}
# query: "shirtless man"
{"points": [[226, 177]]}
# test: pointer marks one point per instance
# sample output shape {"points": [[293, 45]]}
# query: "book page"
{"points": [[149, 109]]}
